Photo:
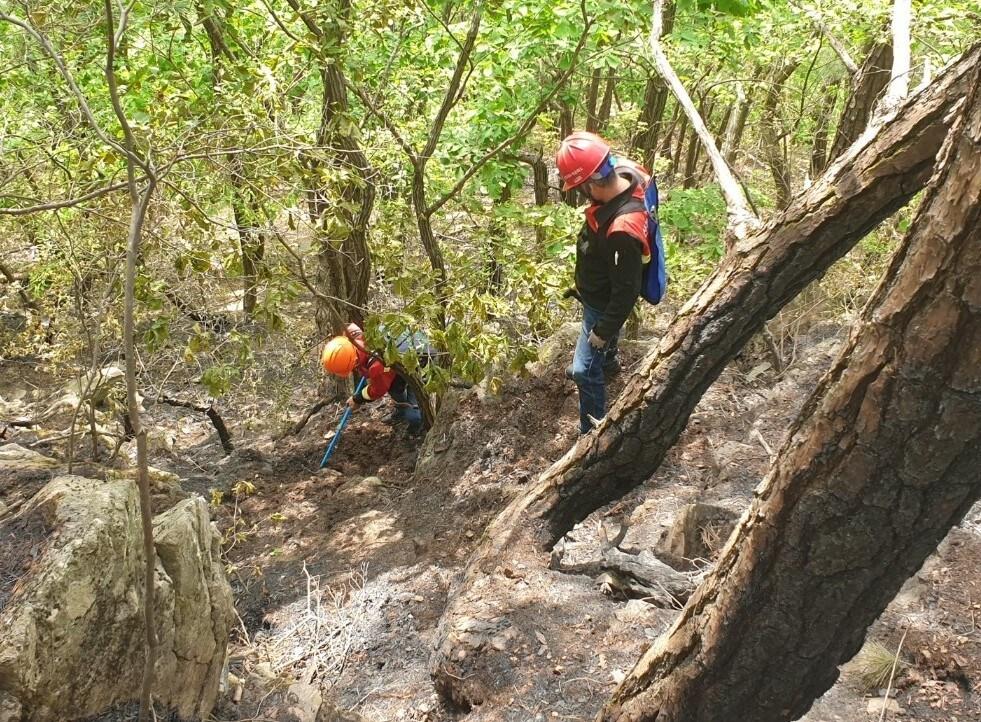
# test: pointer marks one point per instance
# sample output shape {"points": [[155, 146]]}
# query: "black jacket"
{"points": [[609, 267]]}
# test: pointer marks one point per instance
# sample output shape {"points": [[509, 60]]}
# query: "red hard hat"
{"points": [[580, 155]]}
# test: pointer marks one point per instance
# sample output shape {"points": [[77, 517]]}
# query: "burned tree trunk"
{"points": [[759, 275], [880, 464], [867, 85]]}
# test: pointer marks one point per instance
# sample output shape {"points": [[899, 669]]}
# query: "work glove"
{"points": [[353, 403], [595, 341]]}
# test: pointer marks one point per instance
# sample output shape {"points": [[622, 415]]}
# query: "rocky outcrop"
{"points": [[22, 473], [73, 621]]}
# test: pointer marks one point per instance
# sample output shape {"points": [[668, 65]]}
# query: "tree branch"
{"points": [[525, 127], [850, 65], [741, 219], [450, 98], [387, 122], [210, 412], [67, 202], [307, 20], [72, 86]]}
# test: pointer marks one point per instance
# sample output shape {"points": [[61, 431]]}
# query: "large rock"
{"points": [[73, 624]]}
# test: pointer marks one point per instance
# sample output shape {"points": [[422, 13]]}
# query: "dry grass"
{"points": [[873, 666], [714, 535]]}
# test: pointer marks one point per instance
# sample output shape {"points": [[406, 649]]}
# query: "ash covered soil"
{"points": [[341, 575]]}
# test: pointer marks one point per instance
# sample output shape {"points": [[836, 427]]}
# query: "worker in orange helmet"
{"points": [[343, 355]]}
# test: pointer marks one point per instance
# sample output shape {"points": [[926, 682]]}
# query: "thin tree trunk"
{"points": [[819, 150], [867, 84], [344, 263], [539, 172], [251, 237], [656, 94], [665, 147], [603, 117], [678, 148], [694, 146], [881, 463], [566, 127], [592, 100], [498, 229], [773, 134], [758, 277], [740, 129]]}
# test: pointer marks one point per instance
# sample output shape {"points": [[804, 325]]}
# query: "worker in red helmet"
{"points": [[611, 251]]}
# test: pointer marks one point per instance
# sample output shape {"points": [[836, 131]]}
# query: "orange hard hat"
{"points": [[339, 356]]}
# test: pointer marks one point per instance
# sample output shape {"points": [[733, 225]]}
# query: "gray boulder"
{"points": [[73, 621]]}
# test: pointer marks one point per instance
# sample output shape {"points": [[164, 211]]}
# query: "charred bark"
{"points": [[867, 85], [758, 277], [880, 464]]}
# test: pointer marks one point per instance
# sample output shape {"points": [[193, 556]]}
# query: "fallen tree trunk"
{"points": [[758, 277], [880, 464]]}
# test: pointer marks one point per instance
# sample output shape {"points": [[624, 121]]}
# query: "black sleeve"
{"points": [[625, 264]]}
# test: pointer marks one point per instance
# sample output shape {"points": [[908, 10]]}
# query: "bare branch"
{"points": [[387, 122], [67, 202], [741, 219], [835, 43]]}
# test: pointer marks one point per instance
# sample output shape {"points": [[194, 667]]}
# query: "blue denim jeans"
{"points": [[587, 370], [407, 408]]}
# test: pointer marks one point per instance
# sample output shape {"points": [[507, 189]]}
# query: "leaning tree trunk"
{"points": [[867, 85], [882, 461], [758, 277]]}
